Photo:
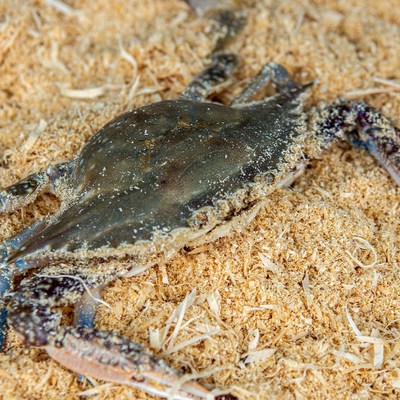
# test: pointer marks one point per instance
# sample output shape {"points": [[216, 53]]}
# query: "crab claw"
{"points": [[113, 358]]}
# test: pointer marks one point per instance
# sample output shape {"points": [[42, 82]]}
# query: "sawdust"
{"points": [[305, 302]]}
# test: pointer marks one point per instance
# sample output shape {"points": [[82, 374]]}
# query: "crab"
{"points": [[156, 179]]}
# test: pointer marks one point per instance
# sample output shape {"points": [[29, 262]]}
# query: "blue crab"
{"points": [[153, 180]]}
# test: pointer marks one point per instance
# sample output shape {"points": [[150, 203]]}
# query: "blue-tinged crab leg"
{"points": [[26, 191], [13, 197], [5, 283], [14, 243], [363, 126], [8, 270], [88, 351], [85, 313], [86, 308], [270, 72], [211, 78]]}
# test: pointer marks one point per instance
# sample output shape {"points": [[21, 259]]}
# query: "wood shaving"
{"points": [[315, 276]]}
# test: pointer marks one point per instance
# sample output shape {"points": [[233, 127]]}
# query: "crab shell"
{"points": [[165, 175]]}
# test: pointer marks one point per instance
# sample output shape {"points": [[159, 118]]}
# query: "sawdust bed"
{"points": [[304, 303]]}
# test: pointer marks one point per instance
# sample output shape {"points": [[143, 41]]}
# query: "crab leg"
{"points": [[86, 350], [230, 20], [8, 270], [5, 283], [26, 191], [21, 193], [215, 75], [86, 307], [85, 313], [8, 247], [270, 72], [363, 126]]}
